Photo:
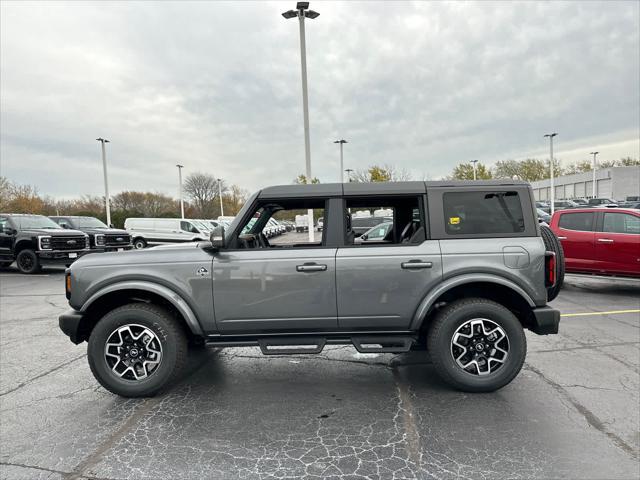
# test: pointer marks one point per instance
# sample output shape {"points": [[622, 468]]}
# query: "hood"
{"points": [[54, 232], [105, 231]]}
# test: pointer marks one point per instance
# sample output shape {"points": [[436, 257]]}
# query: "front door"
{"points": [[6, 239], [617, 244]]}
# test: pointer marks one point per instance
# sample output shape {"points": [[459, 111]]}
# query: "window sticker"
{"points": [[454, 220]]}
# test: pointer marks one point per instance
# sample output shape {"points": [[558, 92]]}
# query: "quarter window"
{"points": [[582, 222], [621, 223], [485, 212]]}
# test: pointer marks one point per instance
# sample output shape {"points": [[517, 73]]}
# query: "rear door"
{"points": [[380, 284], [576, 231], [617, 243]]}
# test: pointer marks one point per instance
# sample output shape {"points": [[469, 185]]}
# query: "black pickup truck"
{"points": [[102, 238], [35, 240]]}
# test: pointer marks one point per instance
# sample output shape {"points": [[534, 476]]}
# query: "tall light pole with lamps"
{"points": [[349, 170], [301, 12], [341, 142], [220, 195], [475, 163], [106, 183], [594, 189], [552, 168], [180, 167]]}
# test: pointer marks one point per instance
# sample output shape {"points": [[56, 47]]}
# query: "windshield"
{"points": [[87, 222], [202, 225], [35, 221]]}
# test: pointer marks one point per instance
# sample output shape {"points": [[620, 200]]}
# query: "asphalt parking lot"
{"points": [[571, 413]]}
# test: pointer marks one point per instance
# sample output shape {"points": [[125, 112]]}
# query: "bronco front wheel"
{"points": [[136, 350]]}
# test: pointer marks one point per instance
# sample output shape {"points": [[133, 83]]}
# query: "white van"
{"points": [[156, 231]]}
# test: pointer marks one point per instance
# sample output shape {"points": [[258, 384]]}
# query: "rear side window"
{"points": [[468, 213], [621, 223], [582, 222]]}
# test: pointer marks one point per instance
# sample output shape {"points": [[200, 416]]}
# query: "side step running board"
{"points": [[379, 344], [291, 345]]}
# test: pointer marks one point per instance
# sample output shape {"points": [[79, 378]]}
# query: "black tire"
{"points": [[5, 264], [454, 316], [552, 244], [169, 333], [139, 243], [27, 261]]}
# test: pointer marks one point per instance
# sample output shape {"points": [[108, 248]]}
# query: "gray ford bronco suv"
{"points": [[463, 271]]}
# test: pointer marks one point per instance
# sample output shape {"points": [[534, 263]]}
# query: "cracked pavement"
{"points": [[571, 413]]}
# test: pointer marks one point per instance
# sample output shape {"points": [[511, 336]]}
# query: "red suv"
{"points": [[600, 241]]}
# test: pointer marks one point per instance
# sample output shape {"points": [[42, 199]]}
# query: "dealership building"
{"points": [[616, 183]]}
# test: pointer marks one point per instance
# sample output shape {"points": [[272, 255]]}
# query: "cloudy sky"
{"points": [[216, 86]]}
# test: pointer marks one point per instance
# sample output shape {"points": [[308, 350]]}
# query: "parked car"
{"points": [[302, 223], [544, 206], [600, 241], [320, 223], [361, 225], [101, 237], [581, 202], [464, 272], [35, 240], [157, 231], [630, 202], [543, 216], [376, 234], [602, 202], [564, 204]]}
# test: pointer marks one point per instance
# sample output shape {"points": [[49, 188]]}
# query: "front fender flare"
{"points": [[428, 301], [172, 297]]}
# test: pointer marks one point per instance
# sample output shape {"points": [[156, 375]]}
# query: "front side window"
{"points": [[88, 222], [35, 221], [188, 227], [262, 228], [469, 213], [621, 223], [582, 222]]}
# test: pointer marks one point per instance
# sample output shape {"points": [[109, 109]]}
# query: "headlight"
{"points": [[45, 243], [87, 243], [99, 238]]}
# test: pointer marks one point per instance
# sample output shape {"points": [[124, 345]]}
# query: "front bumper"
{"points": [[111, 248], [72, 325], [546, 320], [60, 256]]}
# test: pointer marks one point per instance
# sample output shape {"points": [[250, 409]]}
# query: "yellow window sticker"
{"points": [[454, 220]]}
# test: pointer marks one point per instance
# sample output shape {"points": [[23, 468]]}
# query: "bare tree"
{"points": [[384, 173], [202, 189]]}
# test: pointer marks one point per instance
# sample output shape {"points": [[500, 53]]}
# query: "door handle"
{"points": [[605, 240], [562, 238], [415, 265], [311, 267]]}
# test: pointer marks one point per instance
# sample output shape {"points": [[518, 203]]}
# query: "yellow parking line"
{"points": [[612, 312]]}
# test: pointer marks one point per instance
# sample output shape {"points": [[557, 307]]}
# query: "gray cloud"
{"points": [[216, 87]]}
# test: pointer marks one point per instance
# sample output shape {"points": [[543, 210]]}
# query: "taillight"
{"points": [[550, 269], [67, 286]]}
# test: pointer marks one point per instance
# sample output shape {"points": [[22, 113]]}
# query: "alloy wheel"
{"points": [[480, 346], [133, 352]]}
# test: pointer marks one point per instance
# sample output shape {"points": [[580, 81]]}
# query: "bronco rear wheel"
{"points": [[476, 345], [136, 350]]}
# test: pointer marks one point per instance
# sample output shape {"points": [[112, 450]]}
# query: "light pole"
{"points": [[552, 166], [349, 170], [595, 165], [302, 11], [341, 142], [475, 162], [220, 195], [106, 183], [180, 167]]}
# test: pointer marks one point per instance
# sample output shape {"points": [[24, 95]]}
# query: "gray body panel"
{"points": [[262, 291], [171, 267], [374, 291]]}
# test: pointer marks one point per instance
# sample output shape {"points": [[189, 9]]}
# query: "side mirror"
{"points": [[111, 225], [65, 226], [217, 237], [364, 236]]}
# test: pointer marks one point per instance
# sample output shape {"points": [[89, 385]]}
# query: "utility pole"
{"points": [[475, 174], [106, 183], [301, 12], [180, 167], [552, 167], [341, 142], [220, 195], [594, 188]]}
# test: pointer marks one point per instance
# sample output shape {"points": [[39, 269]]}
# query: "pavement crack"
{"points": [[588, 415], [33, 379], [405, 408], [33, 467]]}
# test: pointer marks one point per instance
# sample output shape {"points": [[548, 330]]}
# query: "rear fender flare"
{"points": [[172, 297], [428, 301]]}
